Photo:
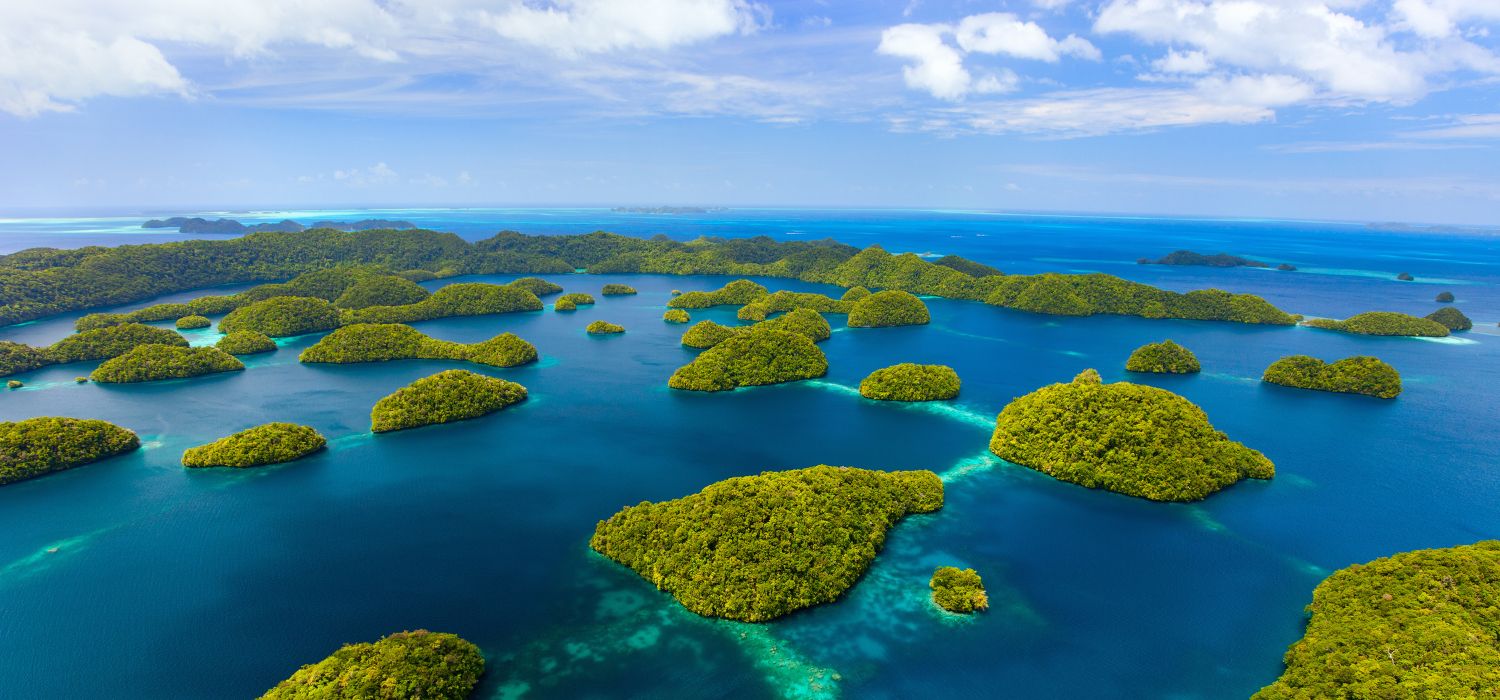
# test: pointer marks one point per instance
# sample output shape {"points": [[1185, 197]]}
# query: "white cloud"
{"points": [[937, 66], [572, 27], [1004, 33], [1436, 19], [377, 174], [1466, 126], [1080, 113], [1183, 62]]}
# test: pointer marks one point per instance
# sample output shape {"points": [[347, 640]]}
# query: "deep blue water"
{"points": [[215, 584]]}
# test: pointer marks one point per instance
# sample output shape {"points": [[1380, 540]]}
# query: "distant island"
{"points": [[667, 210], [196, 224], [1188, 257]]}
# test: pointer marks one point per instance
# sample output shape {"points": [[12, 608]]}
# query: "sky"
{"points": [[1368, 110]]}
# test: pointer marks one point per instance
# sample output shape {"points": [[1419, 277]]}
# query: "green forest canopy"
{"points": [[270, 443], [1361, 374], [38, 446], [754, 548], [417, 665]]}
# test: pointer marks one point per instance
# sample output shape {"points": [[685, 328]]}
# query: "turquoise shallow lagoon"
{"points": [[215, 584]]}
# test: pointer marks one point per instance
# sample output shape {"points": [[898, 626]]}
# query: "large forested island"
{"points": [[381, 342], [149, 363], [1415, 625], [420, 664], [754, 358], [755, 548], [909, 381], [1127, 438], [1361, 374], [38, 446]]}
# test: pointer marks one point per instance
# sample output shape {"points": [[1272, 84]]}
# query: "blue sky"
{"points": [[1342, 109]]}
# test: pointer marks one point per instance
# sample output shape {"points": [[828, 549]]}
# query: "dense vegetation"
{"points": [[854, 294], [611, 290], [43, 281], [1419, 624], [910, 382], [271, 443], [706, 334], [381, 342], [1128, 438], [149, 363], [676, 316], [1445, 297], [1165, 357], [418, 665], [578, 298], [754, 358], [279, 317], [783, 300], [604, 328], [888, 308], [736, 293], [113, 341], [537, 286], [444, 397], [20, 357], [958, 590], [564, 305], [381, 290], [38, 282], [1188, 257], [1352, 375], [37, 446], [1451, 318], [462, 299], [1382, 323], [755, 548], [246, 343], [967, 266], [192, 322]]}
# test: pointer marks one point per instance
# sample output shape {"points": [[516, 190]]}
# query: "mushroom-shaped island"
{"points": [[1165, 357], [271, 443], [910, 382], [1451, 318], [958, 590], [444, 397], [1128, 438], [1445, 297], [676, 316], [187, 323], [246, 343], [888, 308]]}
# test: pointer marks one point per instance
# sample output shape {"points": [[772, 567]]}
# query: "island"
{"points": [[602, 327], [112, 341], [1287, 267], [571, 302], [461, 299], [537, 286], [1418, 624], [280, 317], [246, 343], [149, 363], [783, 300], [736, 293], [754, 358], [564, 304], [420, 664], [1382, 323], [1405, 277], [706, 334], [854, 294], [1445, 297], [888, 308], [676, 316], [197, 224], [1128, 438], [382, 342], [1451, 318], [1360, 374], [1165, 357], [39, 446], [764, 558], [14, 384], [381, 290], [910, 382], [806, 322], [187, 323], [20, 357], [966, 266], [613, 290], [1188, 257], [271, 443], [448, 396], [958, 590]]}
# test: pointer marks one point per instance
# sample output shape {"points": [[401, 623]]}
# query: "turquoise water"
{"points": [[168, 583]]}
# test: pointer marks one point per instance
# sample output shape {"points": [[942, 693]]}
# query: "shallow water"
{"points": [[169, 583]]}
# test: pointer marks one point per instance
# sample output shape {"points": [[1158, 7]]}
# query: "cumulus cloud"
{"points": [[572, 27], [1436, 19], [937, 66], [377, 174]]}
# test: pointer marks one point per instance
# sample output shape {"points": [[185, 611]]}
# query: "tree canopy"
{"points": [[1361, 374], [271, 443], [418, 665]]}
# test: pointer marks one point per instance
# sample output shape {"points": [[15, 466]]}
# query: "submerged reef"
{"points": [[1165, 357], [1128, 438], [444, 397], [1414, 625], [417, 665], [754, 548], [38, 446], [1361, 374], [271, 443], [910, 382]]}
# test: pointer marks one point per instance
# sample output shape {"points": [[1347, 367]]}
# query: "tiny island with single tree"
{"points": [[271, 443], [958, 590], [38, 446], [910, 382], [1361, 374], [419, 664], [444, 397], [1165, 357], [761, 558], [1128, 438]]}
